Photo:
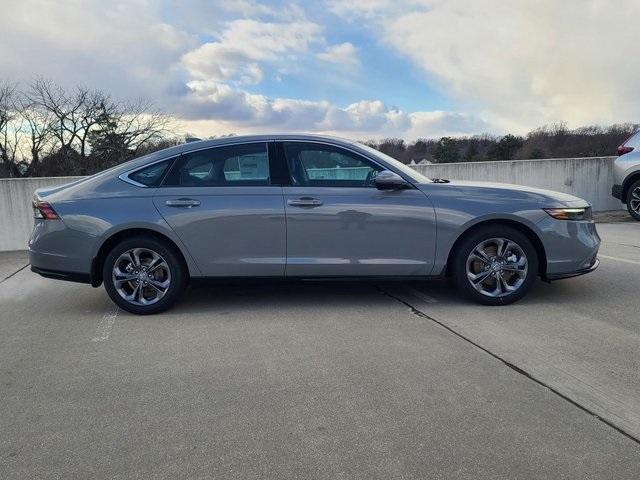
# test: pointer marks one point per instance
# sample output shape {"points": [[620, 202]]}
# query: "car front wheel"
{"points": [[143, 275], [495, 265]]}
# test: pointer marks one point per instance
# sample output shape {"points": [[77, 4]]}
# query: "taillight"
{"points": [[622, 149], [44, 210]]}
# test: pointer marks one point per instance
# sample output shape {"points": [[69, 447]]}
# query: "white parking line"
{"points": [[105, 326], [618, 259]]}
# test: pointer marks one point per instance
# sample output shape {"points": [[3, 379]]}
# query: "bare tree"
{"points": [[74, 113], [138, 123], [10, 128], [127, 130], [38, 137]]}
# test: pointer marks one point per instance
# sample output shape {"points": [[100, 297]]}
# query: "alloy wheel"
{"points": [[141, 276], [634, 200], [497, 267]]}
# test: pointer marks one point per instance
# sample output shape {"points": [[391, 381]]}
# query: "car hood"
{"points": [[488, 190]]}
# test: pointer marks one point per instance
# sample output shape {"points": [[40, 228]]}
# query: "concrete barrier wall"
{"points": [[589, 178], [16, 213]]}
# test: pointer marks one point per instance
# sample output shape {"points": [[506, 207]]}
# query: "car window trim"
{"points": [[278, 168]]}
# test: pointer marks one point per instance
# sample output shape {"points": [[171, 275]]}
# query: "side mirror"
{"points": [[388, 180]]}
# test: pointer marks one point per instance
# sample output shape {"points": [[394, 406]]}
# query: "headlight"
{"points": [[569, 213]]}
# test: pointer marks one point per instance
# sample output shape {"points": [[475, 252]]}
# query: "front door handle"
{"points": [[182, 202], [304, 202]]}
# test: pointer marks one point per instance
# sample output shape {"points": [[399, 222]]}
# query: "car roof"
{"points": [[199, 144], [230, 140]]}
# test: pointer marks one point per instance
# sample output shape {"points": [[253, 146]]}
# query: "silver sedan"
{"points": [[300, 207]]}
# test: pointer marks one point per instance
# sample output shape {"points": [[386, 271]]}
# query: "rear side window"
{"points": [[233, 165], [151, 176]]}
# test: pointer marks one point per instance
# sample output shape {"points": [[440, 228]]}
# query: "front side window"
{"points": [[233, 165], [152, 175], [318, 165]]}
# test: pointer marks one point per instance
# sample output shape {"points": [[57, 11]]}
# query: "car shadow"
{"points": [[222, 297], [226, 298]]}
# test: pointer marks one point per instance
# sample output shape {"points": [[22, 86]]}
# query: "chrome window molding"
{"points": [[125, 178]]}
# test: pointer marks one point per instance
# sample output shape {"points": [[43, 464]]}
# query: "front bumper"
{"points": [[577, 273], [616, 192], [571, 247]]}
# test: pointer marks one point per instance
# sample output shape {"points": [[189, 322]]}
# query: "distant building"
{"points": [[424, 161]]}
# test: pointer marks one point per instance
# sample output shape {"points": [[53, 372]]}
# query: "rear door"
{"points": [[224, 205], [340, 224]]}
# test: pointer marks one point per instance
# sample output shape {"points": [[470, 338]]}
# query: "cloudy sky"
{"points": [[358, 68]]}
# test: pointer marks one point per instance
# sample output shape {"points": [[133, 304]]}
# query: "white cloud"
{"points": [[371, 9], [441, 123], [248, 8], [345, 54], [120, 47], [522, 63], [366, 116], [246, 43], [236, 111]]}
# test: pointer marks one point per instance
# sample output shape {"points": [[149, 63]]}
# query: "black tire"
{"points": [[470, 241], [635, 187], [176, 268]]}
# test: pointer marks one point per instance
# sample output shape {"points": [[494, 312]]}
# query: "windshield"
{"points": [[633, 141], [408, 171]]}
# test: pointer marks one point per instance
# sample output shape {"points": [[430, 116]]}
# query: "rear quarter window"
{"points": [[152, 175]]}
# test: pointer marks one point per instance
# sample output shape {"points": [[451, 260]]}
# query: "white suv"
{"points": [[626, 173]]}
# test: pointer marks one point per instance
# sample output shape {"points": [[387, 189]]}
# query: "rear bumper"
{"points": [[56, 251], [60, 275], [616, 192], [576, 273]]}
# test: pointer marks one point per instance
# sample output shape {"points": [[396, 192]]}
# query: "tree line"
{"points": [[553, 141], [49, 130]]}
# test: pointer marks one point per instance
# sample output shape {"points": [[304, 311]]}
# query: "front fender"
{"points": [[454, 218]]}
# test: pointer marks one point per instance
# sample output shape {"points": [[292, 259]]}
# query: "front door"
{"points": [[340, 224], [222, 204]]}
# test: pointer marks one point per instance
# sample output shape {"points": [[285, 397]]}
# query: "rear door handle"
{"points": [[182, 202], [304, 202]]}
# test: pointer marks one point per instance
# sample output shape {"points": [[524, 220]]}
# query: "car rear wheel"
{"points": [[143, 275], [495, 265], [633, 200]]}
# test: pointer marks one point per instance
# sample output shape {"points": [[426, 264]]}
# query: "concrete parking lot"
{"points": [[325, 380]]}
